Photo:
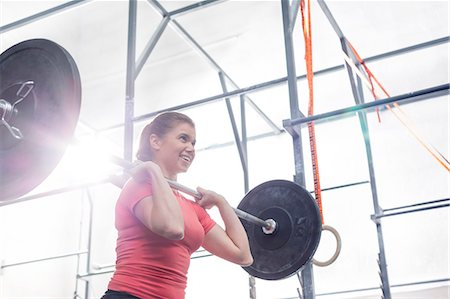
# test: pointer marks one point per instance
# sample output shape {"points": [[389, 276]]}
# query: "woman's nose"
{"points": [[191, 147]]}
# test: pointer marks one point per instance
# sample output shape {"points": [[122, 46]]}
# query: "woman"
{"points": [[158, 228]]}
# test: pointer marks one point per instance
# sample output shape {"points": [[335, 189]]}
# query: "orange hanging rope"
{"points": [[402, 117], [306, 24]]}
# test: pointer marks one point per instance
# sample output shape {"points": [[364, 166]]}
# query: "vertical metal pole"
{"points": [[307, 278], [131, 68], [358, 96], [244, 141], [293, 95], [382, 263], [237, 138], [80, 244], [242, 148], [89, 241], [251, 279]]}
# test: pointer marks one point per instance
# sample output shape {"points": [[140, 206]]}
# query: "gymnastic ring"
{"points": [[338, 247]]}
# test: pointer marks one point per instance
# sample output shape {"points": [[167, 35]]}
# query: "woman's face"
{"points": [[174, 152]]}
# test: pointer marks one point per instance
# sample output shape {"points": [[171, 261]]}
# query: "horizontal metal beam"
{"points": [[41, 15], [2, 266], [423, 206], [57, 191], [89, 274], [418, 204], [193, 7], [279, 81], [197, 254], [292, 124], [377, 288]]}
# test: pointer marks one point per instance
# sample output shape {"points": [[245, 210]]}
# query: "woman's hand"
{"points": [[142, 171], [209, 198]]}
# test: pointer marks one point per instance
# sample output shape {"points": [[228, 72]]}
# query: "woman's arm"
{"points": [[159, 212], [232, 243]]}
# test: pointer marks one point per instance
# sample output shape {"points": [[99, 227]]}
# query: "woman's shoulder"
{"points": [[134, 190]]}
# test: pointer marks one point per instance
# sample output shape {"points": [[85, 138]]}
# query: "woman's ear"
{"points": [[154, 142]]}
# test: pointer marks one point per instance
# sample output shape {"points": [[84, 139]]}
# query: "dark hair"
{"points": [[160, 126]]}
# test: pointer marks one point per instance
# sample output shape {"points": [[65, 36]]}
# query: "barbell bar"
{"points": [[40, 99], [268, 225]]}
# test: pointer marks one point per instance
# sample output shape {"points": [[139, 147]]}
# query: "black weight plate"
{"points": [[46, 117], [296, 238]]}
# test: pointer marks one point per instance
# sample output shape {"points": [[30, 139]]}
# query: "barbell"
{"points": [[40, 100]]}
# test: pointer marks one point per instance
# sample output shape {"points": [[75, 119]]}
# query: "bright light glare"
{"points": [[88, 159]]}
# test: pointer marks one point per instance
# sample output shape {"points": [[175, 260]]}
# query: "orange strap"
{"points": [[306, 24], [402, 117]]}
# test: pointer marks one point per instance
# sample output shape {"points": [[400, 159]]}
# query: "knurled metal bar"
{"points": [[307, 277]]}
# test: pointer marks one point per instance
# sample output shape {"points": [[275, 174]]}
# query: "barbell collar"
{"points": [[267, 226]]}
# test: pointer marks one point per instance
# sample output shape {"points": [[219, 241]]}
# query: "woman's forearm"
{"points": [[235, 230], [166, 216], [161, 213]]}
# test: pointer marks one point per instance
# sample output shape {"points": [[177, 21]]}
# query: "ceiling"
{"points": [[245, 39]]}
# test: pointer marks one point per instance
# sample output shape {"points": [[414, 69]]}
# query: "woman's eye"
{"points": [[183, 138]]}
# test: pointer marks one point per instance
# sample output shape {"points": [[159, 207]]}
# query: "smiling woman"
{"points": [[162, 139], [158, 228]]}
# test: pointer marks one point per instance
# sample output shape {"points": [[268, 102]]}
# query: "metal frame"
{"points": [[306, 278], [292, 125]]}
